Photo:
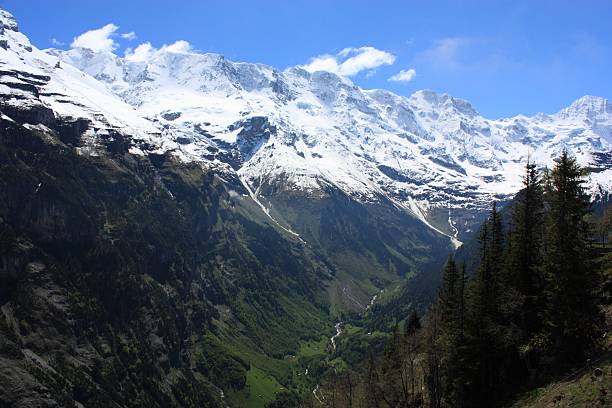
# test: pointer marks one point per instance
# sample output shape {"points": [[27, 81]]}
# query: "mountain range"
{"points": [[200, 213], [293, 130]]}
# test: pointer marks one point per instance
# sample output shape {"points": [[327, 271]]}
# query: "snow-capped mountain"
{"points": [[295, 130], [36, 80]]}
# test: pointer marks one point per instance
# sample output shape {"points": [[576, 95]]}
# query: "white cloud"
{"points": [[351, 61], [143, 52], [57, 42], [97, 40], [405, 75], [180, 47], [322, 63], [129, 36], [146, 51]]}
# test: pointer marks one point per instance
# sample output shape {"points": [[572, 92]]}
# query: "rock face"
{"points": [[120, 274]]}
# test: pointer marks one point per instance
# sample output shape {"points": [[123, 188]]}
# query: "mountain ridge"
{"points": [[328, 128], [427, 152]]}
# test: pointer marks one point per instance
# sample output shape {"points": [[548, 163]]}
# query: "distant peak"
{"points": [[432, 97], [298, 70], [587, 105], [429, 94], [589, 100], [381, 93], [326, 78], [444, 100], [7, 21]]}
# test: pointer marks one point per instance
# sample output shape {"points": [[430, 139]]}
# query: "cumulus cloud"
{"points": [[146, 51], [57, 42], [351, 61], [103, 39], [129, 36], [97, 40], [141, 53], [322, 63], [180, 47], [405, 75]]}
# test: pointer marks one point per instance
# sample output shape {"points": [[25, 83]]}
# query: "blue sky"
{"points": [[506, 57]]}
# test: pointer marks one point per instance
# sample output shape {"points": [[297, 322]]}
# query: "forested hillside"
{"points": [[532, 312]]}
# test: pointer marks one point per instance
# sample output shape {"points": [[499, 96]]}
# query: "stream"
{"points": [[333, 338]]}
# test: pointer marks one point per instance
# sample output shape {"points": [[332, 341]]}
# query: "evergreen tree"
{"points": [[462, 282], [571, 315], [524, 276], [496, 252], [413, 324], [482, 298], [484, 288], [451, 340], [448, 299], [525, 240], [604, 226], [481, 354]]}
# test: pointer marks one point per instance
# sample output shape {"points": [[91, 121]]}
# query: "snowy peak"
{"points": [[329, 129], [49, 89], [7, 21], [588, 106], [442, 101], [166, 68], [11, 40]]}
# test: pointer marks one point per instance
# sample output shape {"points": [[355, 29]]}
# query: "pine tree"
{"points": [[572, 316], [448, 294], [525, 241], [409, 353], [485, 286], [462, 282], [451, 340], [495, 263], [413, 324], [524, 276], [481, 352]]}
